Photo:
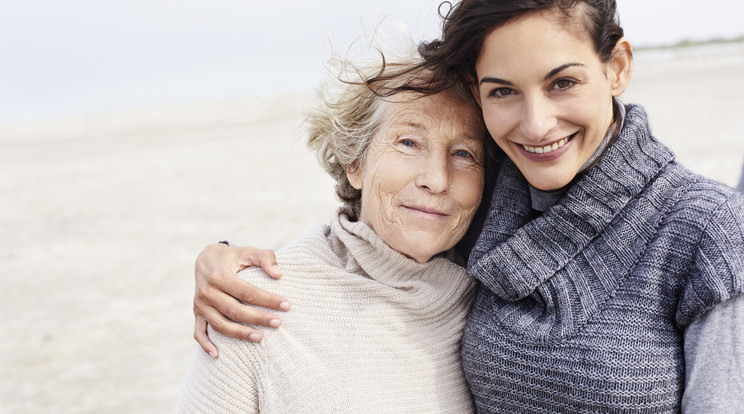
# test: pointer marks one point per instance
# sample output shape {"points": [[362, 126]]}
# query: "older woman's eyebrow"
{"points": [[478, 139], [410, 124], [415, 124]]}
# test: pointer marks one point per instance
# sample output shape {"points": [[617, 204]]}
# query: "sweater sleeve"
{"points": [[228, 384], [714, 360], [717, 272]]}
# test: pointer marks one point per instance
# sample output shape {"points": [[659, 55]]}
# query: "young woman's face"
{"points": [[546, 96]]}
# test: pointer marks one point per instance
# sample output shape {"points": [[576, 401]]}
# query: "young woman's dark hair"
{"points": [[451, 59]]}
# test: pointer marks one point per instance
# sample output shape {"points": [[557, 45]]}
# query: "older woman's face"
{"points": [[422, 176], [546, 95]]}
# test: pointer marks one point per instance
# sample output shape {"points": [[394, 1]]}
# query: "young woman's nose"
{"points": [[537, 118]]}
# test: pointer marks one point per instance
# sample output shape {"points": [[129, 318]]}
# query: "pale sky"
{"points": [[63, 58]]}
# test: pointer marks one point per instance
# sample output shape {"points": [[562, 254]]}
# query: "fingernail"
{"points": [[254, 337], [213, 354], [276, 269], [285, 306], [275, 323]]}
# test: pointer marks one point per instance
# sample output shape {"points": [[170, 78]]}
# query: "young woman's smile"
{"points": [[549, 151]]}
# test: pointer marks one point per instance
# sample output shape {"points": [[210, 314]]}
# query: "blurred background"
{"points": [[134, 133], [79, 56]]}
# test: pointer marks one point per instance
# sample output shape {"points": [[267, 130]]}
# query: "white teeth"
{"points": [[546, 149]]}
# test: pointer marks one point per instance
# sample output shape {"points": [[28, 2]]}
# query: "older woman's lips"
{"points": [[426, 211]]}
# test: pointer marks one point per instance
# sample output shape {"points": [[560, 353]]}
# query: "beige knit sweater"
{"points": [[370, 331]]}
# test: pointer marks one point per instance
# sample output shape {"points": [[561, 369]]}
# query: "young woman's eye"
{"points": [[501, 92], [563, 84]]}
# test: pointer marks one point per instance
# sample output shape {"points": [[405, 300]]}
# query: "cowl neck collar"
{"points": [[436, 284], [551, 264]]}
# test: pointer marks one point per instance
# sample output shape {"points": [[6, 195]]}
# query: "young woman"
{"points": [[611, 276]]}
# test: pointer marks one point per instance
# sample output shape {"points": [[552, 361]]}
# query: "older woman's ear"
{"points": [[621, 66], [354, 175]]}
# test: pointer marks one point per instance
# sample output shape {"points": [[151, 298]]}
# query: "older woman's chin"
{"points": [[420, 236], [423, 249]]}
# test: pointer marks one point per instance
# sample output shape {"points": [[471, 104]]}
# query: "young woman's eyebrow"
{"points": [[561, 68], [550, 74], [495, 80]]}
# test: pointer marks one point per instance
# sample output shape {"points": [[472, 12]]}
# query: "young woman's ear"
{"points": [[621, 66], [354, 175]]}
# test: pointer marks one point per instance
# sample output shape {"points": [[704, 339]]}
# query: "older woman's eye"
{"points": [[463, 154], [409, 143]]}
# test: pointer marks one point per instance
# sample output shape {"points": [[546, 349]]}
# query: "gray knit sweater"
{"points": [[583, 308]]}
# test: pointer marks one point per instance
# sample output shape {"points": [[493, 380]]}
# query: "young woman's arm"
{"points": [[714, 360], [219, 292]]}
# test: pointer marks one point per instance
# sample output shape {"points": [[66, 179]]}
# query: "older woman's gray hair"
{"points": [[350, 112], [352, 109]]}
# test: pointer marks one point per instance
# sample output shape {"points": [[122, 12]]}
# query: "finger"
{"points": [[210, 298], [248, 293], [200, 334], [264, 258], [230, 328]]}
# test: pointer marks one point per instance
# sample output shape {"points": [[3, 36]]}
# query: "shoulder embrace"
{"points": [[298, 254]]}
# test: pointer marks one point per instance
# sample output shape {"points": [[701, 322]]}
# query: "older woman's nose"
{"points": [[434, 174], [537, 119]]}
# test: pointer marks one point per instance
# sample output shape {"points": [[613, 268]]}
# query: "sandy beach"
{"points": [[104, 214]]}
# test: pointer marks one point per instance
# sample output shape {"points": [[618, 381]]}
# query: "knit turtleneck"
{"points": [[370, 331], [365, 252], [582, 308], [515, 254]]}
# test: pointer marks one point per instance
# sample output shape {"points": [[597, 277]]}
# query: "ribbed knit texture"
{"points": [[370, 331], [583, 308]]}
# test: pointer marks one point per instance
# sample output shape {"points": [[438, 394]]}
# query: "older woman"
{"points": [[378, 310]]}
